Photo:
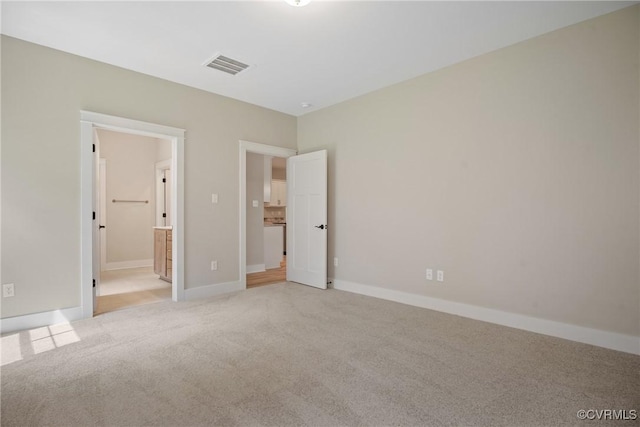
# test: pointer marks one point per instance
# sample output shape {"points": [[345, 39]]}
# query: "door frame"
{"points": [[257, 148], [89, 121]]}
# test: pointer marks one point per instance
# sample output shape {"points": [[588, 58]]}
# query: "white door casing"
{"points": [[307, 219], [89, 121]]}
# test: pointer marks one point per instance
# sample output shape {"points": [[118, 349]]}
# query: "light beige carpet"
{"points": [[288, 354]]}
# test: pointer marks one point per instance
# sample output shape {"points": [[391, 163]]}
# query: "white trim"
{"points": [[123, 265], [136, 127], [177, 215], [267, 150], [86, 223], [37, 320], [216, 289], [256, 268], [612, 340], [88, 122]]}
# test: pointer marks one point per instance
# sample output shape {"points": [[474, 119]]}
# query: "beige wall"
{"points": [[163, 149], [1, 134], [515, 172], [131, 172], [279, 168], [41, 166], [279, 173], [255, 218]]}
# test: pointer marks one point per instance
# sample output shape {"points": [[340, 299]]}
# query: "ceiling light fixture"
{"points": [[298, 3]]}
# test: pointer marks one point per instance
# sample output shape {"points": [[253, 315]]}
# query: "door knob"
{"points": [[102, 226], [322, 226]]}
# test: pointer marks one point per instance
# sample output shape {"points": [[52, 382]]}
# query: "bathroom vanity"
{"points": [[162, 258]]}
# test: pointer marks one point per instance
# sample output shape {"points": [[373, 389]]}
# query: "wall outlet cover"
{"points": [[429, 274], [8, 290]]}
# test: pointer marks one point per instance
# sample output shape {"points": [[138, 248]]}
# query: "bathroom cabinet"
{"points": [[162, 256]]}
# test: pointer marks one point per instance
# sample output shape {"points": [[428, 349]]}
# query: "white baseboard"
{"points": [[612, 340], [212, 290], [122, 265], [256, 268], [37, 320]]}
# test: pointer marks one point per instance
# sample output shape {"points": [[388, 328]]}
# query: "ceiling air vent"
{"points": [[228, 65]]}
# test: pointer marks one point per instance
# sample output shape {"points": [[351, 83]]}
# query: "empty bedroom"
{"points": [[345, 213]]}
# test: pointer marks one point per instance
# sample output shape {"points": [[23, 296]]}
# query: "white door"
{"points": [[103, 217], [96, 218], [307, 219], [167, 197]]}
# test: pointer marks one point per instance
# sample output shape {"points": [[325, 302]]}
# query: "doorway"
{"points": [[253, 214], [266, 220], [136, 183], [306, 216], [91, 232]]}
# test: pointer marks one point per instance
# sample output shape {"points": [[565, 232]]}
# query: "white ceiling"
{"points": [[324, 53]]}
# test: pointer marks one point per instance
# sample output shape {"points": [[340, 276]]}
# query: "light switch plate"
{"points": [[255, 203]]}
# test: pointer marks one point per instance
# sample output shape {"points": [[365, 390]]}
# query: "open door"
{"points": [[103, 219], [97, 247], [167, 197], [307, 219]]}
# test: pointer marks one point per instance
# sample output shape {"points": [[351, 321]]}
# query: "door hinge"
{"points": [[94, 283], [94, 147], [94, 215], [164, 215]]}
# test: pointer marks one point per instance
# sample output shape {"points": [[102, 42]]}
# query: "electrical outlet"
{"points": [[8, 290], [214, 198], [335, 261], [429, 275], [214, 265], [440, 276]]}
